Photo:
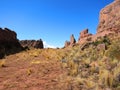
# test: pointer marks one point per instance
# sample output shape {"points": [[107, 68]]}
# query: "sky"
{"points": [[53, 21]]}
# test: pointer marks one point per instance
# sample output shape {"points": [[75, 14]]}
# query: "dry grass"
{"points": [[100, 65], [29, 71], [36, 62], [88, 69], [2, 63]]}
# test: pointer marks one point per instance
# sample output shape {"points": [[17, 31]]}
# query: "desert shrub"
{"points": [[93, 57], [113, 63], [94, 68], [110, 78], [113, 51], [116, 75], [106, 78], [34, 53], [106, 40], [101, 40], [89, 84], [73, 68]]}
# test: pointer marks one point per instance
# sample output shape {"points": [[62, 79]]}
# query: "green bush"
{"points": [[101, 40]]}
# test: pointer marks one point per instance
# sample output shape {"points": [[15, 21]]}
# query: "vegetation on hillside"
{"points": [[90, 66], [96, 67]]}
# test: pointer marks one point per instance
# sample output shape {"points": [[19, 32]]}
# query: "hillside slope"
{"points": [[31, 70], [92, 63]]}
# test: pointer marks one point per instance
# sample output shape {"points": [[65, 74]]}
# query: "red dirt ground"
{"points": [[23, 71]]}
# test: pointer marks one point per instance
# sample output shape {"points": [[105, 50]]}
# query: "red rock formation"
{"points": [[7, 35], [109, 24], [72, 41], [110, 18], [84, 33], [9, 43], [67, 43], [84, 36], [32, 43]]}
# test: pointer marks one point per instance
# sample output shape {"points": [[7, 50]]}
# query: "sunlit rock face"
{"points": [[84, 35], [109, 19], [109, 24]]}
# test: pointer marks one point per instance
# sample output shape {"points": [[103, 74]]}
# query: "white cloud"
{"points": [[46, 45]]}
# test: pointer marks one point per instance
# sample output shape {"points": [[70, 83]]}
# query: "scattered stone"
{"points": [[101, 47]]}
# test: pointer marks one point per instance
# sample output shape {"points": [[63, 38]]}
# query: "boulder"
{"points": [[101, 47]]}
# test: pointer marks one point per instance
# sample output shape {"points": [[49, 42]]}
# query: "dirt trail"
{"points": [[27, 72]]}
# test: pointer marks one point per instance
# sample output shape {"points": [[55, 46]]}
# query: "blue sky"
{"points": [[51, 20]]}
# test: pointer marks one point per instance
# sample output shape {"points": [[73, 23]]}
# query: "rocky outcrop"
{"points": [[84, 36], [110, 18], [84, 33], [70, 43], [7, 35], [32, 43], [67, 43], [9, 43], [109, 25], [72, 40]]}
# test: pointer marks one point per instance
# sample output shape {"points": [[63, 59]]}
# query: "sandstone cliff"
{"points": [[109, 24], [32, 43], [9, 43], [110, 18]]}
